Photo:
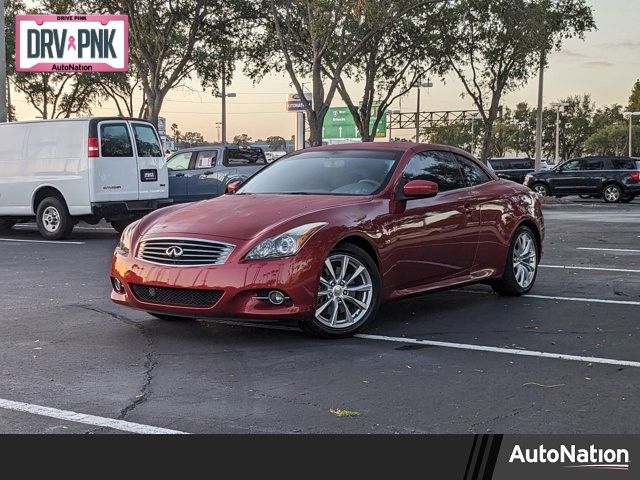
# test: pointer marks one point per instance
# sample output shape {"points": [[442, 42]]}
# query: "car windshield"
{"points": [[325, 172]]}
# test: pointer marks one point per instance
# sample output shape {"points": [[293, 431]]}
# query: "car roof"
{"points": [[209, 147], [397, 146]]}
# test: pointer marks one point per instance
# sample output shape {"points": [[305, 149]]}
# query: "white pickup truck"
{"points": [[63, 171]]}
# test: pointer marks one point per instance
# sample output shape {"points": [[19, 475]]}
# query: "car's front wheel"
{"points": [[348, 294], [522, 264]]}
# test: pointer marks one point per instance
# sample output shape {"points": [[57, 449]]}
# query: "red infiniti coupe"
{"points": [[326, 235]]}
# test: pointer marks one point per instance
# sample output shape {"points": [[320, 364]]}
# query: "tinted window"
{"points": [[571, 166], [472, 173], [623, 164], [179, 162], [521, 164], [249, 156], [146, 141], [115, 141], [593, 164], [436, 167], [206, 159], [496, 164], [325, 172]]}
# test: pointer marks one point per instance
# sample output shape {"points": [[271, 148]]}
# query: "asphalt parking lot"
{"points": [[565, 359]]}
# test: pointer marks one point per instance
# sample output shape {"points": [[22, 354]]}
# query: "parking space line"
{"points": [[509, 351], [34, 228], [585, 300], [40, 241], [458, 346], [597, 269], [83, 418], [628, 250]]}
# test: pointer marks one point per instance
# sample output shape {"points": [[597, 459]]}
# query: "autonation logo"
{"points": [[574, 457]]}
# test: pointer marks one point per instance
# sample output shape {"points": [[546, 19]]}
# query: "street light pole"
{"points": [[427, 84], [3, 66], [539, 117], [631, 115], [559, 106], [223, 94]]}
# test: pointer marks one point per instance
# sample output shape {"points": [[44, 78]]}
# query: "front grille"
{"points": [[184, 252], [176, 296]]}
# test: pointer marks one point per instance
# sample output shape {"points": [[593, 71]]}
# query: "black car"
{"points": [[614, 179], [204, 172], [514, 169]]}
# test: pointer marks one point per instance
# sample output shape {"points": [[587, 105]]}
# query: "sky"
{"points": [[606, 65]]}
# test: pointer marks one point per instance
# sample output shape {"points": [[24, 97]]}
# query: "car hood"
{"points": [[242, 217]]}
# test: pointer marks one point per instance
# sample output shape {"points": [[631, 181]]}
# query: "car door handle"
{"points": [[207, 173]]}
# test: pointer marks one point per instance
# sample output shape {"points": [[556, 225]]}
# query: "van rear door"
{"points": [[151, 175], [115, 172]]}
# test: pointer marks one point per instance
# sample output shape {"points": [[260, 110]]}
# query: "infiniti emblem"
{"points": [[174, 252]]}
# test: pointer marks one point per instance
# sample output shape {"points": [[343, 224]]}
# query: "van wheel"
{"points": [[7, 223], [53, 219], [120, 225]]}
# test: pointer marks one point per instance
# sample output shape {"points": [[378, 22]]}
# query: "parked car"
{"points": [[614, 179], [63, 171], [326, 235], [515, 169], [204, 172]]}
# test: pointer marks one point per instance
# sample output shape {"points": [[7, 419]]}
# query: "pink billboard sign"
{"points": [[72, 43]]}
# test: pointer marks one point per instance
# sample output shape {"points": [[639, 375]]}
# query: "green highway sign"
{"points": [[339, 124]]}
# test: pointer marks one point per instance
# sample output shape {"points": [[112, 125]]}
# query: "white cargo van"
{"points": [[63, 171]]}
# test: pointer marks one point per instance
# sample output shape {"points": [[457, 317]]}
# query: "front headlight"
{"points": [[124, 245], [286, 244]]}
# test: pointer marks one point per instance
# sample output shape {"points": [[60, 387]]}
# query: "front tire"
{"points": [[522, 265], [348, 295], [53, 219], [7, 223], [541, 189], [611, 193]]}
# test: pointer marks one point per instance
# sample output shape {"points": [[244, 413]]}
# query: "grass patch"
{"points": [[344, 412]]}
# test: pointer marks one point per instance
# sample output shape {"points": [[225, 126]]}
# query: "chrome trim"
{"points": [[218, 251]]}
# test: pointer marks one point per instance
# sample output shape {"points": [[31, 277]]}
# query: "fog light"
{"points": [[276, 297], [117, 285]]}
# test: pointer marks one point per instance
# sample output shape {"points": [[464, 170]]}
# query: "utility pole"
{"points": [[427, 84], [630, 115], [3, 66], [540, 117], [559, 106], [223, 95]]}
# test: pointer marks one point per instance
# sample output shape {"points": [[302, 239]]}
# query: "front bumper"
{"points": [[240, 284]]}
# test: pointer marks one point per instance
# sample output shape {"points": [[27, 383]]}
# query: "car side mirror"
{"points": [[233, 187], [420, 189]]}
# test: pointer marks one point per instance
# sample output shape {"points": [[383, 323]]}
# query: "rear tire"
{"points": [[522, 264], [53, 219], [611, 193], [170, 318], [7, 223], [347, 301]]}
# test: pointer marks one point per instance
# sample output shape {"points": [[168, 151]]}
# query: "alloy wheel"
{"points": [[540, 189], [525, 259], [611, 193], [345, 292]]}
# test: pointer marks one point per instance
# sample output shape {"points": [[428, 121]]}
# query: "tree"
{"points": [[122, 89], [12, 8], [318, 39], [176, 133], [243, 140], [59, 95], [495, 46], [634, 99], [454, 134], [192, 139], [276, 143], [390, 64], [611, 139], [172, 41]]}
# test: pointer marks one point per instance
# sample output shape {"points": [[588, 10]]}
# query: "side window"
{"points": [[623, 164], [179, 161], [521, 164], [435, 167], [472, 173], [115, 140], [571, 166], [496, 164], [594, 164], [146, 141], [244, 157], [206, 159]]}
